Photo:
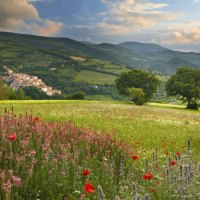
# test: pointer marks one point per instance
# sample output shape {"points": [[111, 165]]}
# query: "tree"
{"points": [[185, 85], [35, 93], [76, 96], [4, 93], [138, 85], [137, 95]]}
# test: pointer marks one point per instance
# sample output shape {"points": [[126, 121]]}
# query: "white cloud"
{"points": [[196, 1], [130, 16], [22, 16], [181, 33]]}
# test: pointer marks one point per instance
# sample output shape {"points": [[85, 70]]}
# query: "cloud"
{"points": [[49, 28], [196, 1], [22, 16], [188, 33], [32, 1], [130, 16]]}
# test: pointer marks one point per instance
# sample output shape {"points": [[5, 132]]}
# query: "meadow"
{"points": [[98, 150]]}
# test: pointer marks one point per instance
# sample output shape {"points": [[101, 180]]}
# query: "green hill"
{"points": [[162, 59], [73, 66]]}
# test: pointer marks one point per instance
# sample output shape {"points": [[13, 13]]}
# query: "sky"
{"points": [[171, 23]]}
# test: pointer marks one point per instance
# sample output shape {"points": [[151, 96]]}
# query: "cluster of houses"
{"points": [[20, 80]]}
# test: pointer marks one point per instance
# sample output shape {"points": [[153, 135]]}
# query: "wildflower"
{"points": [[157, 182], [178, 153], [173, 162], [167, 153], [135, 157], [153, 190], [156, 167], [12, 136], [89, 188], [6, 186], [101, 193], [148, 176], [85, 172], [33, 152], [63, 173], [146, 197], [117, 198], [16, 180], [36, 119]]}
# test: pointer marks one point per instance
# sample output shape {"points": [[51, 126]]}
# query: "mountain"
{"points": [[70, 65], [143, 48], [162, 59], [29, 49]]}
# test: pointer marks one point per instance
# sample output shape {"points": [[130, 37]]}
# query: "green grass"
{"points": [[151, 125], [95, 77]]}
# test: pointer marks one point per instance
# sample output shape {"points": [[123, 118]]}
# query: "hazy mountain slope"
{"points": [[34, 50], [163, 59], [18, 44], [143, 48]]}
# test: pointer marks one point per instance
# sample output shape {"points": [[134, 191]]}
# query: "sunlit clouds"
{"points": [[165, 22], [22, 16]]}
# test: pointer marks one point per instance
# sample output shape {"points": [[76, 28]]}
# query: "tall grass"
{"points": [[48, 160]]}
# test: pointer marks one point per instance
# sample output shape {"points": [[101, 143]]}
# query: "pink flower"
{"points": [[7, 185], [63, 173], [16, 180]]}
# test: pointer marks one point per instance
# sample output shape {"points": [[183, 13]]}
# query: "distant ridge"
{"points": [[24, 49]]}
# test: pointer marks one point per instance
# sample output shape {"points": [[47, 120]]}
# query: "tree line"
{"points": [[140, 86], [137, 85]]}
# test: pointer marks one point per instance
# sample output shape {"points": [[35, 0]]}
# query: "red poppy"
{"points": [[173, 162], [153, 190], [36, 119], [85, 172], [135, 157], [12, 136], [178, 153], [148, 176], [89, 188], [167, 153]]}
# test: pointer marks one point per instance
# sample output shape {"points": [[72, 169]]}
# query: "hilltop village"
{"points": [[20, 80]]}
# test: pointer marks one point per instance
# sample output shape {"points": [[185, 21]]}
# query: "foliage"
{"points": [[137, 95], [138, 79], [4, 92], [17, 95], [185, 85], [35, 93], [76, 96]]}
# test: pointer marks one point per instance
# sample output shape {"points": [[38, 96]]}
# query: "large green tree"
{"points": [[185, 85], [138, 85]]}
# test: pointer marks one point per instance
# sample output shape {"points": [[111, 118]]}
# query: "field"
{"points": [[155, 128], [95, 77], [152, 123]]}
